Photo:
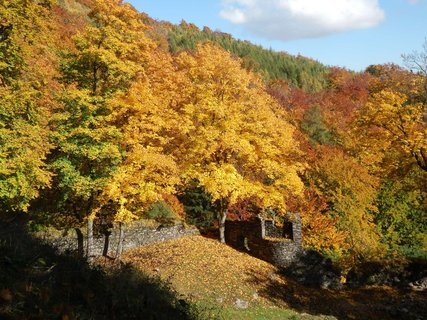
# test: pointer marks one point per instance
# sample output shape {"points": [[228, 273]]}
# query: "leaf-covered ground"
{"points": [[205, 270]]}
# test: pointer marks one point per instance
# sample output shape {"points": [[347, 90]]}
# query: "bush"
{"points": [[198, 208], [161, 212]]}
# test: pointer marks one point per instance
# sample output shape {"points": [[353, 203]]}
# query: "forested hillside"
{"points": [[107, 117], [298, 71]]}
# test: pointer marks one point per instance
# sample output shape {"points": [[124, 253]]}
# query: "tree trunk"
{"points": [[222, 218], [120, 243], [106, 243], [80, 246], [89, 243]]}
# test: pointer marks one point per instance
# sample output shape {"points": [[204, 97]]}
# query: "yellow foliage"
{"points": [[111, 51], [352, 192], [140, 181], [391, 123], [239, 143]]}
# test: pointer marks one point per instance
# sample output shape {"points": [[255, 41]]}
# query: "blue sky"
{"points": [[346, 33]]}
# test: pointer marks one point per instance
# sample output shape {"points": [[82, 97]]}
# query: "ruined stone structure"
{"points": [[136, 235], [262, 239]]}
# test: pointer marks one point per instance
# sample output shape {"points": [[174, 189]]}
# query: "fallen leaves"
{"points": [[203, 268]]}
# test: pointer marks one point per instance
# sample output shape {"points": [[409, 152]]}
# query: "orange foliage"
{"points": [[392, 77], [348, 93], [319, 228], [176, 205], [243, 209], [68, 25]]}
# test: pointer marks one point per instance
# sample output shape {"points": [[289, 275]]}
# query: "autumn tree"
{"points": [[320, 226], [110, 52], [402, 203], [22, 25], [86, 152], [109, 55], [239, 143], [149, 169], [23, 148], [417, 62], [394, 78], [298, 71], [351, 193], [392, 132], [400, 124], [24, 102]]}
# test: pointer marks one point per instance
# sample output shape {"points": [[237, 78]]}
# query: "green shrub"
{"points": [[161, 212]]}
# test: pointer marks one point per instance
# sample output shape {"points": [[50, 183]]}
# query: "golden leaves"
{"points": [[24, 146], [238, 138], [185, 261], [397, 123], [223, 181], [352, 191]]}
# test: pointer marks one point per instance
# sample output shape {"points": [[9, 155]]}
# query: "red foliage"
{"points": [[243, 210], [68, 24], [348, 93], [280, 90]]}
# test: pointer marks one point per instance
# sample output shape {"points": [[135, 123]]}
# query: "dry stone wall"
{"points": [[136, 235], [263, 240]]}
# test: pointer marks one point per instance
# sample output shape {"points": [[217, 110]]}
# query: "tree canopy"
{"points": [[106, 114]]}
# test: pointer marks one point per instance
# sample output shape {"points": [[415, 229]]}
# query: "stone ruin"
{"points": [[262, 239], [137, 234], [282, 247]]}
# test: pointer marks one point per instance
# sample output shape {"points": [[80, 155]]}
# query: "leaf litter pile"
{"points": [[203, 268]]}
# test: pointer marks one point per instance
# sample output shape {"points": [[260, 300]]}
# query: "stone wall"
{"points": [[136, 234], [265, 241]]}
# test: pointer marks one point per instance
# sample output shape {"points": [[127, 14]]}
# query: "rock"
{"points": [[419, 285], [241, 304], [313, 270]]}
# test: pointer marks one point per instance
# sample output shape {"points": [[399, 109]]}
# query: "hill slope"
{"points": [[298, 71], [205, 270]]}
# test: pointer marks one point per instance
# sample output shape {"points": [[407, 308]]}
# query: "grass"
{"points": [[208, 310], [262, 313]]}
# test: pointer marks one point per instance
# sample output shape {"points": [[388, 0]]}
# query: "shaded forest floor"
{"points": [[38, 283], [187, 278], [205, 270]]}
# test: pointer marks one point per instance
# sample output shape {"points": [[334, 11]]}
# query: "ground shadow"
{"points": [[362, 303], [38, 283]]}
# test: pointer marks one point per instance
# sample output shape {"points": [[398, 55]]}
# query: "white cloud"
{"points": [[295, 19]]}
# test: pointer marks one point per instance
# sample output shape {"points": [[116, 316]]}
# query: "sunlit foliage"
{"points": [[106, 113]]}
